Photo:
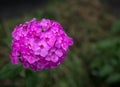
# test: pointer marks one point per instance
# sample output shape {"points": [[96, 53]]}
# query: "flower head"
{"points": [[39, 44]]}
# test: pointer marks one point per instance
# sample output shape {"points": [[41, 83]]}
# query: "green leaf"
{"points": [[7, 41], [114, 62], [106, 70], [31, 78], [108, 43], [114, 78], [10, 71], [116, 27], [96, 63]]}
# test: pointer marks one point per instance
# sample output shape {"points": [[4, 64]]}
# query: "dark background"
{"points": [[13, 8]]}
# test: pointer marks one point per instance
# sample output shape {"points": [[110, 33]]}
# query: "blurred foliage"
{"points": [[116, 27], [107, 60], [10, 71], [94, 59], [31, 78]]}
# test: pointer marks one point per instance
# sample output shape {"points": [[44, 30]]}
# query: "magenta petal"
{"points": [[65, 46], [54, 58], [70, 41], [43, 53], [48, 58], [45, 24], [30, 59], [14, 59], [59, 53], [26, 65]]}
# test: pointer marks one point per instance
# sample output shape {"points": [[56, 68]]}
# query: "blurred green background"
{"points": [[93, 61]]}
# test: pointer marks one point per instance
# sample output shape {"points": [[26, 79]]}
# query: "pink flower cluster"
{"points": [[39, 44]]}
